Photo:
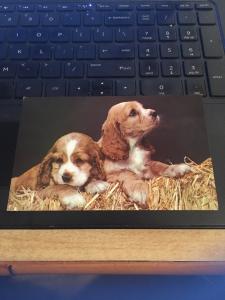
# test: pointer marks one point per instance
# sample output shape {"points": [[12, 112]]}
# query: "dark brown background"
{"points": [[182, 131]]}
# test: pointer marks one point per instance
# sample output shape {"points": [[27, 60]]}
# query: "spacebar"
{"points": [[111, 69]]}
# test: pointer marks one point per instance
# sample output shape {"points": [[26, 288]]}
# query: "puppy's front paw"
{"points": [[138, 192], [97, 186], [177, 170], [72, 201]]}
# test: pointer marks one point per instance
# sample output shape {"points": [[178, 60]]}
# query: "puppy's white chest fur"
{"points": [[137, 157], [136, 161]]}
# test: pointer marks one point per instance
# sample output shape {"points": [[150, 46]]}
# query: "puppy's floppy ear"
{"points": [[113, 144], [44, 174], [97, 163]]}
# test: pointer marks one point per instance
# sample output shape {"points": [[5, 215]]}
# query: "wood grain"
{"points": [[112, 251]]}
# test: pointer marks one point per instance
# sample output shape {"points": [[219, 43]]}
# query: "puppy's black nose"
{"points": [[66, 177], [153, 113]]}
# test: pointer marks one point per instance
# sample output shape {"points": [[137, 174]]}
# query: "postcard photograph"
{"points": [[113, 153]]}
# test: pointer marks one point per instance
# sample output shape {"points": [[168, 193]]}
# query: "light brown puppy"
{"points": [[74, 161], [128, 160]]}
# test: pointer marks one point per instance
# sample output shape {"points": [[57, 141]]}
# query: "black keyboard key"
{"points": [[196, 87], [170, 68], [103, 35], [45, 7], [102, 92], [92, 19], [28, 70], [41, 52], [17, 35], [3, 52], [25, 7], [7, 70], [55, 89], [145, 6], [60, 35], [187, 18], [116, 52], [206, 18], [79, 88], [51, 70], [169, 50], [29, 19], [185, 6], [38, 36], [119, 19], [65, 7], [111, 69], [85, 6], [165, 6], [147, 18], [211, 42], [74, 69], [161, 87], [125, 87], [149, 69], [28, 88], [19, 52], [203, 6], [7, 89], [148, 51], [124, 6], [191, 50], [216, 76], [147, 34], [124, 34], [64, 52], [9, 20], [7, 8], [166, 18], [193, 68], [167, 33], [82, 35], [102, 87], [71, 19], [188, 34], [86, 52], [50, 19], [104, 6]]}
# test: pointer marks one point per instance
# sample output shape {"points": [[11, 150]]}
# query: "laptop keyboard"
{"points": [[103, 49]]}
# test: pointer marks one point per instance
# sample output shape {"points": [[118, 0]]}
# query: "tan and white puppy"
{"points": [[128, 160], [74, 161]]}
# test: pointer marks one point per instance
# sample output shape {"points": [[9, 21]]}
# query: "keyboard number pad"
{"points": [[188, 34], [167, 34], [193, 68], [170, 68], [191, 50]]}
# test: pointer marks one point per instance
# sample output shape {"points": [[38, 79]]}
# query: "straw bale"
{"points": [[194, 191]]}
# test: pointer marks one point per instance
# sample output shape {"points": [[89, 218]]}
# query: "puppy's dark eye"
{"points": [[59, 160], [133, 113], [79, 161]]}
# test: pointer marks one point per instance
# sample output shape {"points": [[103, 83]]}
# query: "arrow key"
{"points": [[29, 88]]}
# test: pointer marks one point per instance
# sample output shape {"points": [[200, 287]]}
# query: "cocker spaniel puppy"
{"points": [[128, 160], [74, 161]]}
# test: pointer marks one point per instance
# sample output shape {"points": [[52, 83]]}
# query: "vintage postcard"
{"points": [[113, 153]]}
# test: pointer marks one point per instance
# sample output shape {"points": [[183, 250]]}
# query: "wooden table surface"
{"points": [[112, 251]]}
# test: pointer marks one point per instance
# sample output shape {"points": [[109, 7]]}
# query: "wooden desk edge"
{"points": [[101, 267], [158, 251]]}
